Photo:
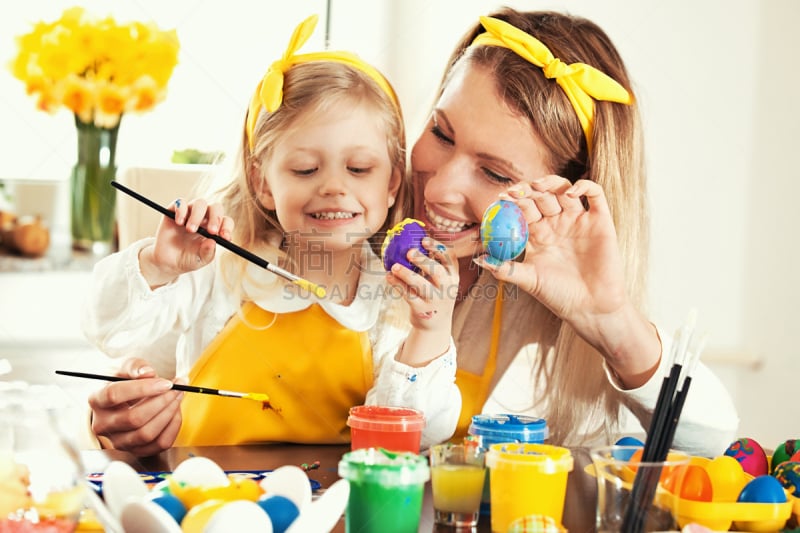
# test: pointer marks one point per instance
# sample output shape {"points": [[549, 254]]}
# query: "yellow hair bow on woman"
{"points": [[581, 82], [269, 93]]}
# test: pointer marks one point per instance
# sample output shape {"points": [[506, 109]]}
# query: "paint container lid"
{"points": [[543, 458], [508, 428], [383, 418], [389, 469]]}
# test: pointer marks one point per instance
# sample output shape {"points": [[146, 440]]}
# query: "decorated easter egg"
{"points": [[504, 231], [727, 478], [788, 473], [404, 236], [750, 455], [281, 510], [237, 488], [763, 489], [199, 470], [784, 451]]}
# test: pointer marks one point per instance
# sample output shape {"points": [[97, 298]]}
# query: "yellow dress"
{"points": [[295, 358]]}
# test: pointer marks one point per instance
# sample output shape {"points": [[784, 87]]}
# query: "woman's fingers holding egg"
{"points": [[593, 193]]}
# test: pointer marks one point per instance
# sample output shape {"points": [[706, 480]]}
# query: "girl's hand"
{"points": [[142, 416], [572, 265], [179, 248], [431, 295]]}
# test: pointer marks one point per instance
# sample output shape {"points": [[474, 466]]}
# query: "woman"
{"points": [[538, 108]]}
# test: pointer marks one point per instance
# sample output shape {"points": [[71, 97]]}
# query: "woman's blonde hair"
{"points": [[309, 88], [577, 384]]}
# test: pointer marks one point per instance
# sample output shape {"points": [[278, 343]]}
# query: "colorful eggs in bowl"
{"points": [[504, 231], [401, 238]]}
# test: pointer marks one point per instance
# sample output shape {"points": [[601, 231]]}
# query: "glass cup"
{"points": [[386, 490], [618, 469], [458, 472], [41, 486], [527, 479], [393, 428]]}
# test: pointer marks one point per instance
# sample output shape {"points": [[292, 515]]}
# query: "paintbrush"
{"points": [[238, 250], [257, 396]]}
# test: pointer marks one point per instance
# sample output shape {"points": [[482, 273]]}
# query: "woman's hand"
{"points": [[431, 295], [179, 248], [141, 416], [572, 265]]}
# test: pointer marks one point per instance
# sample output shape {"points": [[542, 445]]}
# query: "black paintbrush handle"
{"points": [[185, 388], [238, 250]]}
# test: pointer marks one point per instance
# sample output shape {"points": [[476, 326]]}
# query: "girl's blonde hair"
{"points": [[577, 385], [309, 88]]}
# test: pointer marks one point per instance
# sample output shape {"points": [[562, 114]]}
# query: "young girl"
{"points": [[320, 179], [538, 108]]}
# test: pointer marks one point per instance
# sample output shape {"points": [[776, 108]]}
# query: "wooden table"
{"points": [[578, 512]]}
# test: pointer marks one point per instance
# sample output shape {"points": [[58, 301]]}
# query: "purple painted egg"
{"points": [[504, 231], [750, 455], [399, 240]]}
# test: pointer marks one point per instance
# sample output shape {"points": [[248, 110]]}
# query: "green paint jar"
{"points": [[386, 490]]}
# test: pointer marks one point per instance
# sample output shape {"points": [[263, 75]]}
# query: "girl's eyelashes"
{"points": [[359, 170], [304, 171], [313, 170]]}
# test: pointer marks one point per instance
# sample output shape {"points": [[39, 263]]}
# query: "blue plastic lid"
{"points": [[509, 428]]}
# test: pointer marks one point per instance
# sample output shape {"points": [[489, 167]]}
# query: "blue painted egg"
{"points": [[624, 454], [399, 240], [281, 510], [504, 231], [171, 504], [763, 489]]}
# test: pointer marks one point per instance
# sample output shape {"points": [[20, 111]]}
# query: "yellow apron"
{"points": [[313, 369], [475, 387]]}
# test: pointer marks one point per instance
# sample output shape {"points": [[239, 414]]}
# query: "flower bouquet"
{"points": [[99, 69]]}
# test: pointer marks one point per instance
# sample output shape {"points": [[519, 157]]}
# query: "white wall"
{"points": [[716, 81]]}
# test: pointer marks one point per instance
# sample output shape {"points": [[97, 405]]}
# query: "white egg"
{"points": [[201, 472], [239, 515], [121, 484], [289, 481], [147, 517], [323, 513]]}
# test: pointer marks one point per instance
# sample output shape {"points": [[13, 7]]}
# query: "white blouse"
{"points": [[171, 326]]}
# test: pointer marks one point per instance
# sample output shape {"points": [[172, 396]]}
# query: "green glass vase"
{"points": [[93, 205]]}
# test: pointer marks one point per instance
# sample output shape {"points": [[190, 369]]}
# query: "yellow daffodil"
{"points": [[96, 67]]}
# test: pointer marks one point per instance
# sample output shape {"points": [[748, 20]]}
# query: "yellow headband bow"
{"points": [[269, 92], [582, 83]]}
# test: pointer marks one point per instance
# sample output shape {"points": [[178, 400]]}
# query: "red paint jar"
{"points": [[393, 428]]}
